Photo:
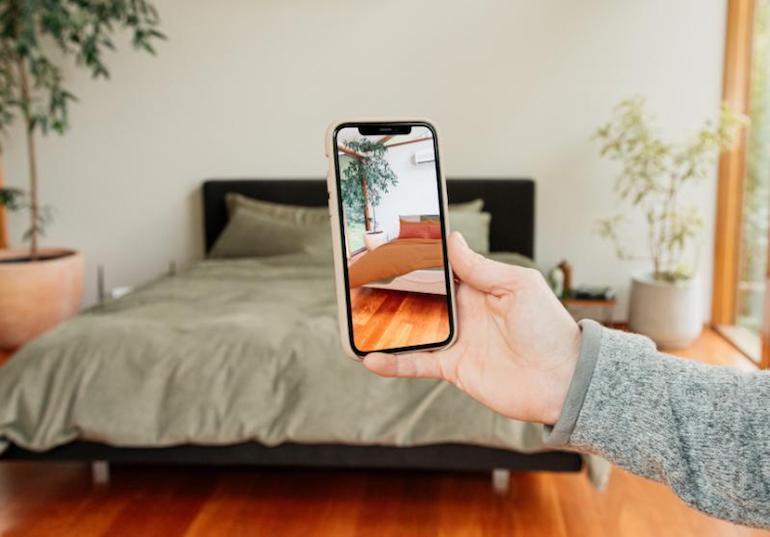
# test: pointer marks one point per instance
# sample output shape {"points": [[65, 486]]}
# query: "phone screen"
{"points": [[394, 237]]}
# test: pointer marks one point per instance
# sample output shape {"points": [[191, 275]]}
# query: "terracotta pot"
{"points": [[668, 313], [37, 295]]}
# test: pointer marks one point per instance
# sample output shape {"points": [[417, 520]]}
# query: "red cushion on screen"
{"points": [[419, 230]]}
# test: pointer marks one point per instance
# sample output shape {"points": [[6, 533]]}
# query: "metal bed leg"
{"points": [[501, 480], [100, 472]]}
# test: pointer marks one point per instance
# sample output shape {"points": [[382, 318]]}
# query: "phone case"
{"points": [[331, 187]]}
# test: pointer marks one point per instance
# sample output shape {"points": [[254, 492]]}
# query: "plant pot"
{"points": [[374, 239], [37, 295], [668, 313]]}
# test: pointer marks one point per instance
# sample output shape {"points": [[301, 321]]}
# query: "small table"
{"points": [[600, 310]]}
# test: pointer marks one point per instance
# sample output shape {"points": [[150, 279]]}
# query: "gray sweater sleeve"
{"points": [[704, 431]]}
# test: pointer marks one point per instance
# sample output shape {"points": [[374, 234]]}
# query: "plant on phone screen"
{"points": [[365, 179], [654, 174]]}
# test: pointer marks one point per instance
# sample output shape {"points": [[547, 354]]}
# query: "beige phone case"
{"points": [[339, 255]]}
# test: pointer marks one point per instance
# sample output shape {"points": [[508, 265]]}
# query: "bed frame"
{"points": [[512, 204]]}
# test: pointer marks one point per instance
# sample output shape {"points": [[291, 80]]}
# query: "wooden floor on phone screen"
{"points": [[385, 319], [60, 500]]}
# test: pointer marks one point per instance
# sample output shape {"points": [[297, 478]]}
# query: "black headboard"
{"points": [[510, 201]]}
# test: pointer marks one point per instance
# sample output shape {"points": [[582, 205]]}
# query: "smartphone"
{"points": [[388, 207]]}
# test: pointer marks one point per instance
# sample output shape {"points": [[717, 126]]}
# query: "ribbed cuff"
{"points": [[559, 434]]}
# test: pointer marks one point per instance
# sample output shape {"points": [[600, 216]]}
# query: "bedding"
{"points": [[254, 234], [429, 281], [394, 258], [293, 214], [419, 230], [225, 352], [474, 206], [474, 227]]}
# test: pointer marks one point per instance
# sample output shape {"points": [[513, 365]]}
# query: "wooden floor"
{"points": [[60, 500], [385, 319]]}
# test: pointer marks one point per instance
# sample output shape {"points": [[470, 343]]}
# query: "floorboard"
{"points": [[386, 319]]}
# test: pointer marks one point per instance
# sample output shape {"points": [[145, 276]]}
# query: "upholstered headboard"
{"points": [[510, 201]]}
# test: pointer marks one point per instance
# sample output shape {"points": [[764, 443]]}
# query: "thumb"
{"points": [[415, 364], [475, 269]]}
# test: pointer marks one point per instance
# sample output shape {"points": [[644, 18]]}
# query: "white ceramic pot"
{"points": [[668, 313], [373, 239], [37, 295]]}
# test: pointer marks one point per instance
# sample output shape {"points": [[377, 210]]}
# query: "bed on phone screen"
{"points": [[397, 262], [236, 360]]}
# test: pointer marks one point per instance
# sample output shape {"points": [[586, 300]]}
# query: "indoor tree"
{"points": [[35, 35], [366, 179], [653, 176]]}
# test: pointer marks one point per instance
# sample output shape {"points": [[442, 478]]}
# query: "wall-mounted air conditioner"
{"points": [[421, 157]]}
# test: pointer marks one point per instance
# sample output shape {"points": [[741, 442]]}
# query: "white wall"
{"points": [[246, 88], [416, 192]]}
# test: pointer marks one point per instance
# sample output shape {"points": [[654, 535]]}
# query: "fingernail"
{"points": [[461, 238]]}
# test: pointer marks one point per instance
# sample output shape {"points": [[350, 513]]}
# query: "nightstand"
{"points": [[600, 310]]}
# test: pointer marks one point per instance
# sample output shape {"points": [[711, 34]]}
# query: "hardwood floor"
{"points": [[60, 499], [384, 319]]}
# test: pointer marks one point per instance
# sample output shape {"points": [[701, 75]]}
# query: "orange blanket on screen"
{"points": [[397, 257]]}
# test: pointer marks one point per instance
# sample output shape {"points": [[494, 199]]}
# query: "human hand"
{"points": [[517, 346]]}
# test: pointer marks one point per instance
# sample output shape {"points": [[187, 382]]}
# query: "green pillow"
{"points": [[474, 206], [251, 234], [474, 228], [511, 258], [294, 214]]}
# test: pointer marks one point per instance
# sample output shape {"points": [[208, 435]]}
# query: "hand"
{"points": [[517, 346]]}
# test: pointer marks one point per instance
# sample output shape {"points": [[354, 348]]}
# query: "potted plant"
{"points": [[665, 301], [365, 180], [41, 286]]}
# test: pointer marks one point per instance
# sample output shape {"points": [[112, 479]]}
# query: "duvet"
{"points": [[225, 352], [395, 258]]}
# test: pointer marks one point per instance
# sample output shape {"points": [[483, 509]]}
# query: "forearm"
{"points": [[705, 431]]}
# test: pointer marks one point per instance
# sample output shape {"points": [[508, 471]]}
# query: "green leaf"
{"points": [[654, 173]]}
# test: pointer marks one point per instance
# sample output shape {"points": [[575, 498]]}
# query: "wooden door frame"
{"points": [[736, 91], [764, 361]]}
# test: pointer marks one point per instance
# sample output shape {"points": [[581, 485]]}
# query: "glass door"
{"points": [[743, 317], [750, 299]]}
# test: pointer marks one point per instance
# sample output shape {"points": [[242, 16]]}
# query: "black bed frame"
{"points": [[512, 205]]}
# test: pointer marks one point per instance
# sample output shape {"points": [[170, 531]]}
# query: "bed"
{"points": [[222, 364], [401, 264]]}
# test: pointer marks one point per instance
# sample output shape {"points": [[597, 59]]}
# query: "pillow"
{"points": [[511, 258], [295, 214], [251, 234], [430, 229], [474, 227], [419, 217], [474, 206]]}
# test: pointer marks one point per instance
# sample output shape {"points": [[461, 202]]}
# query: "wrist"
{"points": [[561, 377]]}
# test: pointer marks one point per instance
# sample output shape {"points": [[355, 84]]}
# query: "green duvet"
{"points": [[229, 351]]}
